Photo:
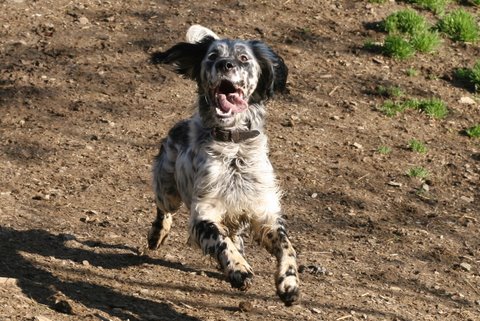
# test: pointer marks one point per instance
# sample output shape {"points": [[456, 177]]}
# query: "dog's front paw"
{"points": [[288, 287], [241, 279]]}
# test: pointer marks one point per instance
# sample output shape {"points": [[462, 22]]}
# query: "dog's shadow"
{"points": [[42, 286]]}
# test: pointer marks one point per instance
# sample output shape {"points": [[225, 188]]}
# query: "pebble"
{"points": [[395, 184], [465, 266], [83, 20], [467, 101]]}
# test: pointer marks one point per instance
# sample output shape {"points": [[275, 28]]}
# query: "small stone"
{"points": [[315, 310], [85, 263], [245, 306], [467, 199], [83, 20], [467, 101], [314, 195], [426, 187], [63, 307], [465, 266], [395, 184], [357, 145], [41, 318]]}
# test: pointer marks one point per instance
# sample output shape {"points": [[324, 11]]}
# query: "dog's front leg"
{"points": [[274, 238], [211, 236]]}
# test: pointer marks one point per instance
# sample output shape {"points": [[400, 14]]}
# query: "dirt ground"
{"points": [[82, 113]]}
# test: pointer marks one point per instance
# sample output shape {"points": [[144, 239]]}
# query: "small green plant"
{"points": [[437, 6], [460, 25], [397, 47], [426, 41], [389, 91], [474, 132], [384, 150], [405, 21], [470, 76], [433, 107], [417, 146], [418, 172], [412, 72]]}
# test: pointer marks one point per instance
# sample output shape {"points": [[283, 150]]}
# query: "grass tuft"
{"points": [[412, 72], [433, 107], [389, 91], [436, 6], [426, 41], [397, 47], [460, 25], [384, 150], [470, 76], [417, 146], [405, 21], [473, 132], [418, 172]]}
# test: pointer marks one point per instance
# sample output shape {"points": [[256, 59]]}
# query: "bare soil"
{"points": [[82, 113]]}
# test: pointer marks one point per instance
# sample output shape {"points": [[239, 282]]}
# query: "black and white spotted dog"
{"points": [[217, 161]]}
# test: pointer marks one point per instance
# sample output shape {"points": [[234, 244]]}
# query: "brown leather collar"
{"points": [[235, 136]]}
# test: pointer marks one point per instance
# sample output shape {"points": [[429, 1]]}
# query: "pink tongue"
{"points": [[232, 102]]}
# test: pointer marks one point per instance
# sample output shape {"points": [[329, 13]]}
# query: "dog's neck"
{"points": [[234, 136]]}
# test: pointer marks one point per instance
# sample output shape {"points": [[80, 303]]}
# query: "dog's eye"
{"points": [[244, 58], [212, 56]]}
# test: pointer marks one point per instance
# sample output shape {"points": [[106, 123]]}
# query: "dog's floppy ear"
{"points": [[274, 72], [185, 57], [197, 32]]}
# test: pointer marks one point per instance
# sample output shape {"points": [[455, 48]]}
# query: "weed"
{"points": [[389, 91], [418, 172], [397, 47], [405, 21], [433, 107], [437, 6], [426, 41], [470, 76], [473, 132], [460, 25], [384, 150], [412, 72], [417, 146]]}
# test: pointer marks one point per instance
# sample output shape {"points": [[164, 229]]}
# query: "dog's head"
{"points": [[232, 75]]}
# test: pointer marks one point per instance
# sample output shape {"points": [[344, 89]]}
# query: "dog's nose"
{"points": [[225, 65]]}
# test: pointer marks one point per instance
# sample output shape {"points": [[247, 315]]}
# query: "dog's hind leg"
{"points": [[166, 195]]}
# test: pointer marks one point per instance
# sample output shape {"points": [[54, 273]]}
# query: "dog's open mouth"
{"points": [[229, 99]]}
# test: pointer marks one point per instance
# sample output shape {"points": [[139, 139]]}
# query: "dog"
{"points": [[217, 162]]}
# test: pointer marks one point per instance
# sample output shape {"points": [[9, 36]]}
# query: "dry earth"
{"points": [[82, 112]]}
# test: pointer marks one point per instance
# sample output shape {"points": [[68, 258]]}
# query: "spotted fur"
{"points": [[228, 187]]}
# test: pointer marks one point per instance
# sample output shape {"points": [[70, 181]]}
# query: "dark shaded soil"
{"points": [[82, 113]]}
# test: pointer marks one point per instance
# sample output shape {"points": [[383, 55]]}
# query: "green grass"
{"points": [[433, 107], [417, 146], [405, 21], [470, 76], [474, 132], [384, 150], [437, 6], [408, 32], [412, 72], [389, 91], [418, 172], [426, 41], [397, 47], [460, 25]]}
